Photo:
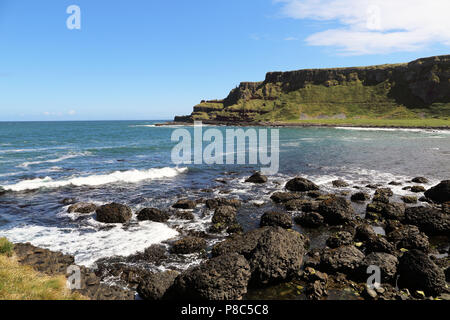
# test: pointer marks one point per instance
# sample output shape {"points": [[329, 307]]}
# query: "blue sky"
{"points": [[153, 59]]}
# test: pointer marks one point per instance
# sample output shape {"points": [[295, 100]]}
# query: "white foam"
{"points": [[395, 129], [65, 157], [131, 176], [89, 244]]}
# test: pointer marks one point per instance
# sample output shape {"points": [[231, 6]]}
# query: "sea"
{"points": [[129, 162]]}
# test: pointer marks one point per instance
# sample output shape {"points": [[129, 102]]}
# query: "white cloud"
{"points": [[375, 26], [72, 112]]}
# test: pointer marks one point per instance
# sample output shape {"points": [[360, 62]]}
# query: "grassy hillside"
{"points": [[414, 94], [18, 282]]}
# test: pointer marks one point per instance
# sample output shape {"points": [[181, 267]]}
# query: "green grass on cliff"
{"points": [[350, 103]]}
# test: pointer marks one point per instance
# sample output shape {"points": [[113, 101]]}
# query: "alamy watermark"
{"points": [[210, 147], [374, 281], [74, 20]]}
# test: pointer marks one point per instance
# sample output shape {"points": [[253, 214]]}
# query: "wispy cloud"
{"points": [[375, 26]]}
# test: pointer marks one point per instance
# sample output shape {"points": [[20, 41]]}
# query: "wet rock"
{"points": [[274, 254], [257, 178], [439, 193], [282, 197], [184, 215], [301, 184], [371, 241], [43, 260], [152, 214], [418, 272], [340, 184], [56, 264], [420, 180], [429, 220], [409, 237], [314, 194], [364, 232], [395, 211], [276, 219], [302, 205], [82, 207], [336, 210], [185, 204], [386, 262], [225, 215], [382, 195], [65, 201], [341, 238], [113, 213], [378, 244], [235, 228], [188, 245], [417, 189], [425, 199], [409, 199], [360, 197], [217, 202], [374, 210], [154, 254], [155, 286], [395, 183], [309, 220], [345, 259], [221, 278], [446, 207]]}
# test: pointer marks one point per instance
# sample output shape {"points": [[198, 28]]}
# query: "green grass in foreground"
{"points": [[6, 247], [18, 282]]}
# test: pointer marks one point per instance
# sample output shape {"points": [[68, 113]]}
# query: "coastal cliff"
{"points": [[416, 90]]}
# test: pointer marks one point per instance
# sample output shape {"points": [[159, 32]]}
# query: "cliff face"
{"points": [[417, 89]]}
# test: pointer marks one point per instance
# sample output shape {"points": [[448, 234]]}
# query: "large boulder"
{"points": [[257, 178], [340, 183], [224, 215], [302, 205], [439, 193], [274, 254], [336, 210], [429, 220], [188, 245], [217, 202], [418, 272], [371, 241], [282, 197], [185, 204], [82, 207], [301, 184], [113, 213], [393, 211], [345, 259], [341, 238], [420, 180], [221, 278], [409, 237], [309, 220], [276, 219], [152, 214], [386, 262], [155, 285], [360, 197]]}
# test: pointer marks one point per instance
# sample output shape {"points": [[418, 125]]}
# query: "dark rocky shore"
{"points": [[275, 260]]}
